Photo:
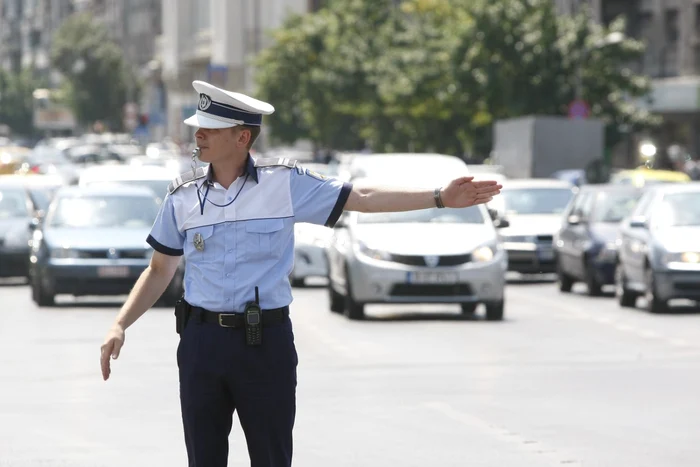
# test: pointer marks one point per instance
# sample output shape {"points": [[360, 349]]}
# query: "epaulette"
{"points": [[186, 177], [275, 162]]}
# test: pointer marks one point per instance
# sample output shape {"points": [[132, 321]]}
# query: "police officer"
{"points": [[234, 222]]}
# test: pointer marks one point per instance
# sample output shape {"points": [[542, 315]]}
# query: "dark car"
{"points": [[93, 242], [660, 248], [586, 245]]}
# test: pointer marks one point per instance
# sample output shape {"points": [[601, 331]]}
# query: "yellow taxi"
{"points": [[642, 176], [11, 159]]}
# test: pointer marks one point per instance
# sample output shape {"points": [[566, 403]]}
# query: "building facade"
{"points": [[671, 32], [215, 41], [26, 30]]}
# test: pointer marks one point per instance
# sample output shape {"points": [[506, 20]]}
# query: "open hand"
{"points": [[463, 192], [111, 347]]}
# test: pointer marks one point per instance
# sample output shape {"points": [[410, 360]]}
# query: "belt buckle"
{"points": [[221, 321]]}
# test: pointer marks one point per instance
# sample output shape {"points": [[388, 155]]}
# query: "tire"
{"points": [[494, 310], [595, 289], [39, 294], [336, 300], [625, 297], [468, 308], [353, 310], [564, 281], [654, 304]]}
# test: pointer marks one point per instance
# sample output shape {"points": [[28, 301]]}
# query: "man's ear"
{"points": [[244, 136]]}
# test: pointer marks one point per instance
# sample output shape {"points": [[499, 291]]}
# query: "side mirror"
{"points": [[501, 223], [638, 222], [574, 220]]}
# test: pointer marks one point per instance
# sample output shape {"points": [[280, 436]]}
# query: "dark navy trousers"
{"points": [[220, 374]]}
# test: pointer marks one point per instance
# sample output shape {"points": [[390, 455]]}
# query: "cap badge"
{"points": [[204, 102]]}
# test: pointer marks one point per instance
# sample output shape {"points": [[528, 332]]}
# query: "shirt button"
{"points": [[228, 275], [229, 198], [230, 250]]}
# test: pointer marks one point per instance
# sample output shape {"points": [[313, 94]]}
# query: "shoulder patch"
{"points": [[263, 162], [186, 177]]}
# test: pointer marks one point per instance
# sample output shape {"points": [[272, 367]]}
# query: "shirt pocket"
{"points": [[262, 238], [208, 249]]}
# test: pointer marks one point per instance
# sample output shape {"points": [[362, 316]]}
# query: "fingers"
{"points": [[463, 180], [487, 183], [117, 348], [104, 360]]}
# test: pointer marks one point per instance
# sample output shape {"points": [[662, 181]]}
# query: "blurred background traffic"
{"points": [[588, 112]]}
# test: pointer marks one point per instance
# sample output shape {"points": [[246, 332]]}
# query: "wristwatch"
{"points": [[438, 199]]}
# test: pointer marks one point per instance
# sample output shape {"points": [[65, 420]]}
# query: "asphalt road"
{"points": [[565, 380]]}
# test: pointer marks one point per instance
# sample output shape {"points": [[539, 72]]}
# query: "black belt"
{"points": [[237, 320]]}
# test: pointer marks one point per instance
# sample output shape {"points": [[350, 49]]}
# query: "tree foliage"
{"points": [[16, 101], [434, 75], [98, 79]]}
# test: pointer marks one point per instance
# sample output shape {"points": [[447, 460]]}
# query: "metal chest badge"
{"points": [[198, 241]]}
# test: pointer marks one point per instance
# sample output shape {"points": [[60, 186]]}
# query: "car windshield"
{"points": [[613, 207], [105, 211], [158, 187], [536, 200], [13, 203], [679, 210], [471, 215], [48, 155]]}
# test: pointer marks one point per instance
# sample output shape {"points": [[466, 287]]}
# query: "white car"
{"points": [[533, 209], [426, 256], [394, 166], [153, 177]]}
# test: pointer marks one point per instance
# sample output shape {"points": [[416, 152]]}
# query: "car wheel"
{"points": [[353, 310], [337, 301], [654, 304], [625, 297], [494, 310], [39, 294], [595, 289], [564, 281], [468, 308]]}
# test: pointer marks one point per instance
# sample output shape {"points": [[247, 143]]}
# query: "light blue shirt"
{"points": [[249, 242]]}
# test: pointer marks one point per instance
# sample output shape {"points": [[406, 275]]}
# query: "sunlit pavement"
{"points": [[565, 380]]}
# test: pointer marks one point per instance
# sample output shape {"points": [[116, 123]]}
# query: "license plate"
{"points": [[545, 254], [432, 278], [113, 271]]}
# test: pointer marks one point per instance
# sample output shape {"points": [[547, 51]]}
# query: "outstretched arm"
{"points": [[461, 192]]}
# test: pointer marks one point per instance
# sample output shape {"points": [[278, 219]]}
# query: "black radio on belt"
{"points": [[253, 321]]}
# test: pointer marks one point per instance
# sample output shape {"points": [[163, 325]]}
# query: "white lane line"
{"points": [[524, 444], [623, 327]]}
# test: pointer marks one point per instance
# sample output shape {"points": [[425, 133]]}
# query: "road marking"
{"points": [[524, 444]]}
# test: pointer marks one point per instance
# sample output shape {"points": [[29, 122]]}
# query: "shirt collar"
{"points": [[250, 170]]}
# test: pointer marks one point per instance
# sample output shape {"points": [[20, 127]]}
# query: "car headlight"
{"points": [[373, 253], [483, 254], [688, 257], [64, 253]]}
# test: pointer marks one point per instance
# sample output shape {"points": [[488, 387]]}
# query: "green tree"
{"points": [[16, 101], [98, 80], [434, 75]]}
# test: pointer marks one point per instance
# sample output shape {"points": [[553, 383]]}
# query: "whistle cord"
{"points": [[203, 201]]}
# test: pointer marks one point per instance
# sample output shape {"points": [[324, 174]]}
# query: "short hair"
{"points": [[254, 133]]}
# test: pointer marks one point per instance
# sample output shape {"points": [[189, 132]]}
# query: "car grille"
{"points": [[125, 254], [430, 290], [545, 238], [453, 260]]}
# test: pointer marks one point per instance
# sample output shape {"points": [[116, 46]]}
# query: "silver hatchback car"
{"points": [[427, 256]]}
